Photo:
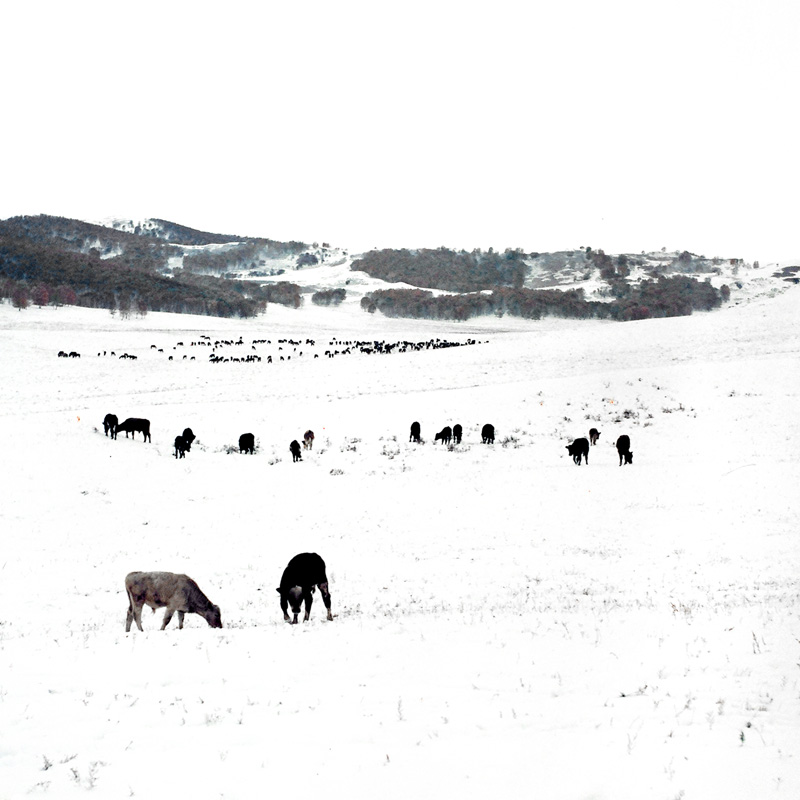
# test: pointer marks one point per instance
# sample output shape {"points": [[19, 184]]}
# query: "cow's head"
{"points": [[294, 598], [213, 616]]}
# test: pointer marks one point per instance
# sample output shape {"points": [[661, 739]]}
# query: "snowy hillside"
{"points": [[504, 620]]}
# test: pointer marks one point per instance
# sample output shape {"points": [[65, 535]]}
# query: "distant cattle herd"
{"points": [[281, 349]]}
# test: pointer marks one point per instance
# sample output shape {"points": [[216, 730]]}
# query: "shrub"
{"points": [[328, 297]]}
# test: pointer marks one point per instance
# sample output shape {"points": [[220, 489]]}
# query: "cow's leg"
{"points": [[285, 609], [167, 617], [129, 619], [137, 617], [308, 601], [180, 620], [326, 598]]}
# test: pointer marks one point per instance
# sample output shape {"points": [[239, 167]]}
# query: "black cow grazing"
{"points": [[457, 431], [415, 432], [134, 424], [294, 449], [110, 423], [189, 437], [302, 574], [444, 435], [177, 592], [487, 434], [580, 447], [308, 440], [181, 446], [594, 435], [247, 443], [624, 449]]}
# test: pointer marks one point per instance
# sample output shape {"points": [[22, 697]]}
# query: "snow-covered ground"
{"points": [[505, 622]]}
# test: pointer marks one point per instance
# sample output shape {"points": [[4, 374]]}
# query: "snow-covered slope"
{"points": [[506, 622]]}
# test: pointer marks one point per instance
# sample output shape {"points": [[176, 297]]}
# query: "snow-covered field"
{"points": [[505, 622]]}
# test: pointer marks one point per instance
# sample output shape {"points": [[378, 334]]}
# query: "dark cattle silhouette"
{"points": [[594, 435], [444, 435], [134, 424], [487, 434], [580, 447], [247, 443], [302, 574], [308, 440], [177, 592], [457, 431], [294, 448], [110, 423], [624, 449], [188, 437], [415, 432], [181, 446]]}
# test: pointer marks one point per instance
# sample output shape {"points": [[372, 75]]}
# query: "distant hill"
{"points": [[140, 269], [581, 283], [159, 265]]}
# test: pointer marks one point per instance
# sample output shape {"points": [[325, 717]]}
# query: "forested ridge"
{"points": [[48, 259]]}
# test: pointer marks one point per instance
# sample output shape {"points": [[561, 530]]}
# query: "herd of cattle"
{"points": [[579, 449], [286, 348], [303, 574]]}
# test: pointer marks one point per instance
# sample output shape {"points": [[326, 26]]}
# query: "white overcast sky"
{"points": [[542, 125]]}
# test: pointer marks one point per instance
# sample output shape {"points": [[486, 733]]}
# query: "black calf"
{"points": [[487, 434], [304, 572], [247, 443], [580, 447], [444, 435], [181, 446], [457, 431], [294, 448], [110, 423], [134, 424], [594, 435], [415, 432], [189, 437]]}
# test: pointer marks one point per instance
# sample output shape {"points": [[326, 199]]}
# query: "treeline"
{"points": [[453, 271], [665, 297], [113, 284], [245, 255]]}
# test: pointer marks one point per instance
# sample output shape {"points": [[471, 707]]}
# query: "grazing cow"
{"points": [[110, 423], [457, 431], [415, 432], [302, 574], [181, 446], [594, 435], [308, 440], [189, 437], [134, 424], [624, 449], [445, 435], [177, 592], [294, 449], [247, 443], [580, 447], [487, 434]]}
